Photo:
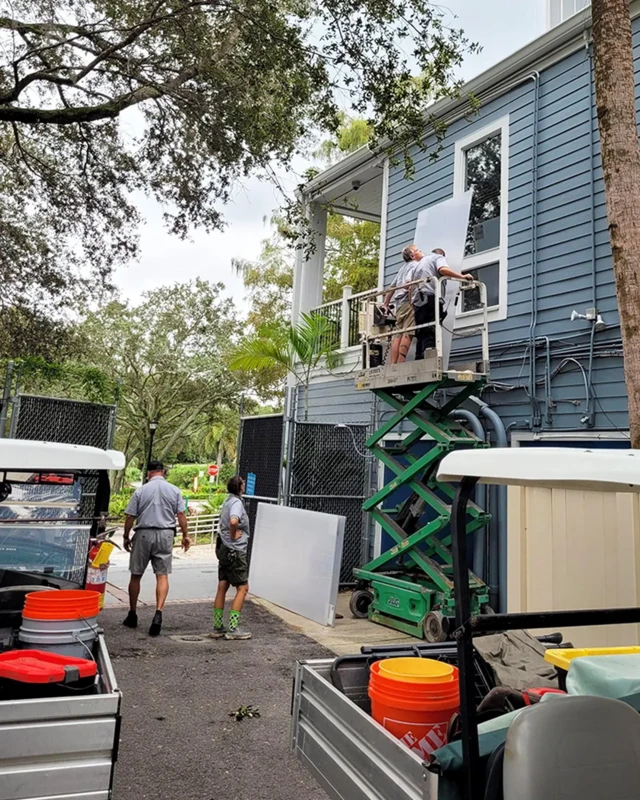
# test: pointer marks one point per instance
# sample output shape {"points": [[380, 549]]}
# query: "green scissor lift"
{"points": [[410, 586]]}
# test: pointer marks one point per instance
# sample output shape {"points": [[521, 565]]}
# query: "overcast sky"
{"points": [[500, 26]]}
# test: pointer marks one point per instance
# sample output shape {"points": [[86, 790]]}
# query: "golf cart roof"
{"points": [[547, 467], [21, 455]]}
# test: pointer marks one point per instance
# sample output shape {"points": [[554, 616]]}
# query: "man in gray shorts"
{"points": [[154, 507]]}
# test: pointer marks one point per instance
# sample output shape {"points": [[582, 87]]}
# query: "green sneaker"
{"points": [[238, 633]]}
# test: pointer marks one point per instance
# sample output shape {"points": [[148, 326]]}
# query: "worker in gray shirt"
{"points": [[154, 508], [232, 545], [429, 268]]}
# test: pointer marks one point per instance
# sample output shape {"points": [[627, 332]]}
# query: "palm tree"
{"points": [[299, 349]]}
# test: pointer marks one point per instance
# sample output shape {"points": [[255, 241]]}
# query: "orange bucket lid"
{"points": [[63, 604], [417, 670]]}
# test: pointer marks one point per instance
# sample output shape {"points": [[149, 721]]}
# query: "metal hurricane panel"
{"points": [[296, 560]]}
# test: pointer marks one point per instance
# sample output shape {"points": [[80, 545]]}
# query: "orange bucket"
{"points": [[61, 605], [415, 711]]}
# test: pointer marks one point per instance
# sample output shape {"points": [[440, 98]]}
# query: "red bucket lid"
{"points": [[38, 666]]}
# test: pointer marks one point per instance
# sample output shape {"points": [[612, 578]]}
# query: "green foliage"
{"points": [[182, 475], [169, 356], [69, 379], [133, 474], [119, 501], [222, 90], [352, 251], [352, 134], [298, 349], [214, 503]]}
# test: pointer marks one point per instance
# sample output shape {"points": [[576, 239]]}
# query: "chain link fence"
{"points": [[53, 419], [260, 453], [329, 474]]}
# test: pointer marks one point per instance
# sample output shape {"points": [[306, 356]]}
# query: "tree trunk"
{"points": [[615, 103]]}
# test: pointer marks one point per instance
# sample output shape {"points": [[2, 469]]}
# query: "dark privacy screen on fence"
{"points": [[261, 452], [50, 419], [328, 474]]}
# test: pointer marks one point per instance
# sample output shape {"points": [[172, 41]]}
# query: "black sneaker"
{"points": [[131, 620], [218, 633], [156, 625]]}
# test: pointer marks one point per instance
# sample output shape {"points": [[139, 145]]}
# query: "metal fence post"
{"points": [[345, 322], [6, 398]]}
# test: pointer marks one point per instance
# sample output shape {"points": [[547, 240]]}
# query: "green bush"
{"points": [[214, 504], [119, 501], [132, 474], [182, 475]]}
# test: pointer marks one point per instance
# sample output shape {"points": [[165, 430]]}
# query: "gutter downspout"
{"points": [[535, 411], [591, 411], [480, 539], [501, 441]]}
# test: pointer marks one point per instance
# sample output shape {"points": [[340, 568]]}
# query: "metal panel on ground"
{"points": [[328, 474], [296, 560]]}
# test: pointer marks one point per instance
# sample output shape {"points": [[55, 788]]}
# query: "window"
{"points": [[482, 166], [560, 10], [490, 276]]}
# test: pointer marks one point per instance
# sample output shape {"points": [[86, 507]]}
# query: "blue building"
{"points": [[538, 238]]}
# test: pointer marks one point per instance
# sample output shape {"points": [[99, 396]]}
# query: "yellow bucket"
{"points": [[416, 670], [562, 658]]}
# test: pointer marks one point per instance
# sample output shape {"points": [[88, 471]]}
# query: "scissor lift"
{"points": [[410, 586]]}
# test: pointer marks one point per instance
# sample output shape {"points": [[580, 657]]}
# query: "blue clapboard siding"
{"points": [[336, 402], [571, 245]]}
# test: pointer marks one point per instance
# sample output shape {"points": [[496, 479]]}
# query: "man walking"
{"points": [[154, 508], [233, 567], [401, 296], [430, 268]]}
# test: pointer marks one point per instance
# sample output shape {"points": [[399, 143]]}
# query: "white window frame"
{"points": [[497, 254]]}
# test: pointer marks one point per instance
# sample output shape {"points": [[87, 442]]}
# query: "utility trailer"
{"points": [[54, 501], [349, 754]]}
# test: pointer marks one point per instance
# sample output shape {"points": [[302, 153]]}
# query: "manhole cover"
{"points": [[190, 639]]}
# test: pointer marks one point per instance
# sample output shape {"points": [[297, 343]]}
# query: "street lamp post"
{"points": [[153, 426]]}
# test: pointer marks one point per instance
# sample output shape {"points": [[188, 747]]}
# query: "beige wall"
{"points": [[572, 550]]}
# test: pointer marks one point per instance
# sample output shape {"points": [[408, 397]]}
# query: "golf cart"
{"points": [[55, 741], [576, 747]]}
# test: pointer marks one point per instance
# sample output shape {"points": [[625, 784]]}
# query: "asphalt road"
{"points": [[177, 738]]}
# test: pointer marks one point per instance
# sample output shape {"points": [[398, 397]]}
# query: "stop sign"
{"points": [[213, 470]]}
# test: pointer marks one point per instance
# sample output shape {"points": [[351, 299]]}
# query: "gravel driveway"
{"points": [[177, 738]]}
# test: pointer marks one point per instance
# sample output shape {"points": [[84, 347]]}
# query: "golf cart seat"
{"points": [[574, 748]]}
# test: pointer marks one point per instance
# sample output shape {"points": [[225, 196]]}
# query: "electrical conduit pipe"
{"points": [[501, 440], [480, 543]]}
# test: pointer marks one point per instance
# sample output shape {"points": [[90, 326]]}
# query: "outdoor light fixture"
{"points": [[591, 316], [153, 426]]}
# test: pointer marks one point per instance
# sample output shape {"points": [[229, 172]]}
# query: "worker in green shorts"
{"points": [[233, 566]]}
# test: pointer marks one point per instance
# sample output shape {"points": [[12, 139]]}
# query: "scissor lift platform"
{"points": [[410, 586]]}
